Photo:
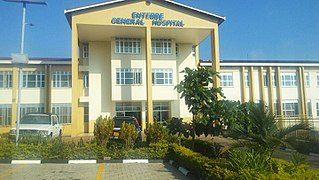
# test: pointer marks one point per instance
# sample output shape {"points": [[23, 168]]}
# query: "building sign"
{"points": [[138, 18]]}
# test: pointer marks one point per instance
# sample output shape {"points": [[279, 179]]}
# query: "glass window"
{"points": [[288, 79], [193, 51], [317, 108], [85, 50], [129, 109], [64, 112], [86, 112], [161, 46], [226, 80], [276, 108], [5, 115], [31, 108], [33, 79], [266, 79], [128, 76], [5, 79], [307, 79], [85, 80], [290, 108], [247, 79], [62, 79], [177, 50], [161, 111], [128, 45], [162, 76]]}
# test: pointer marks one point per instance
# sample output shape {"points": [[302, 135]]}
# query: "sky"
{"points": [[254, 29]]}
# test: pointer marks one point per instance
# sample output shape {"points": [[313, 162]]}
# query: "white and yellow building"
{"points": [[126, 59]]}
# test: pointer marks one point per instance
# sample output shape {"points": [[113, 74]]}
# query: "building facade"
{"points": [[126, 60]]}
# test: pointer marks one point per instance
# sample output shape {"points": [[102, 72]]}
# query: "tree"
{"points": [[202, 101], [103, 129]]}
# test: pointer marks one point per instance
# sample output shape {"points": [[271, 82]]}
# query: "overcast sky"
{"points": [[254, 29]]}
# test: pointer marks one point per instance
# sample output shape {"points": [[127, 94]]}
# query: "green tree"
{"points": [[103, 129], [202, 100], [128, 134]]}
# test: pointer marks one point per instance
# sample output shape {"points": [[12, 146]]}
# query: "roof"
{"points": [[40, 60], [264, 61], [68, 12]]}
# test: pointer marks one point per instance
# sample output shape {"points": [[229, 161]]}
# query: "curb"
{"points": [[183, 170], [90, 161], [314, 154]]}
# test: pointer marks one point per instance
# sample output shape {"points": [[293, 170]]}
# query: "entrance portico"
{"points": [[99, 25]]}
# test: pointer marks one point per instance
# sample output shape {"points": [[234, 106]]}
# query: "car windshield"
{"points": [[36, 119], [118, 122]]}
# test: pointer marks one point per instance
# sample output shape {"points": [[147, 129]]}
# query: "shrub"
{"points": [[198, 164], [211, 150], [128, 134], [154, 133], [103, 129]]}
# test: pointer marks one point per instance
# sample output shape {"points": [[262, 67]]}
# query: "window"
{"points": [[128, 76], [288, 79], [317, 108], [86, 112], [162, 76], [62, 79], [161, 46], [5, 115], [177, 50], [129, 109], [266, 79], [128, 45], [161, 111], [64, 112], [247, 79], [226, 80], [193, 51], [276, 108], [85, 50], [290, 108], [307, 80], [33, 79], [309, 107], [85, 80], [5, 79], [31, 108]]}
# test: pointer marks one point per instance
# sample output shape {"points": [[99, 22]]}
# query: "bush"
{"points": [[154, 133], [211, 150], [103, 129], [128, 134], [199, 165]]}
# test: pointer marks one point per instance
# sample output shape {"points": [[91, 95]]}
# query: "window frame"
{"points": [[64, 111], [6, 81], [39, 79], [86, 51], [127, 45], [226, 82], [288, 79], [31, 108], [122, 77], [5, 114], [307, 79], [295, 103], [167, 76], [162, 46], [57, 81]]}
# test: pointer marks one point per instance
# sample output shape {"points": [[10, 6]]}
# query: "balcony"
{"points": [[85, 96]]}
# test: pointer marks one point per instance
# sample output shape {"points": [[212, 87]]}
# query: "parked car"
{"points": [[38, 124], [118, 120]]}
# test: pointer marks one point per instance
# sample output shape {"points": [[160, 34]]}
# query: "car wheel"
{"points": [[51, 134], [60, 134]]}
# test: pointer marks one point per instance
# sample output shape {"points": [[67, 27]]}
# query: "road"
{"points": [[89, 171]]}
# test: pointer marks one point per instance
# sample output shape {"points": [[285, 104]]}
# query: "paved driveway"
{"points": [[90, 171]]}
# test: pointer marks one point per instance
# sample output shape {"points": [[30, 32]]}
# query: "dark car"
{"points": [[118, 120]]}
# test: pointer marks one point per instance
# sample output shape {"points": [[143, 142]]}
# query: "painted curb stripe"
{"points": [[26, 162], [54, 161], [110, 161], [82, 161], [183, 170], [126, 161], [156, 161]]}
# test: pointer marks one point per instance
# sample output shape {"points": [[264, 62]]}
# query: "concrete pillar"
{"points": [[302, 90], [243, 86], [77, 110], [15, 77], [48, 87], [279, 97], [149, 85], [215, 56], [143, 116], [197, 63], [271, 91], [261, 84], [252, 84]]}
